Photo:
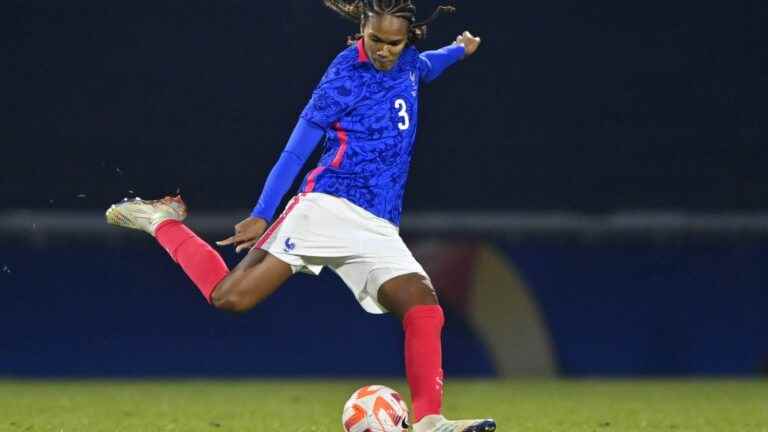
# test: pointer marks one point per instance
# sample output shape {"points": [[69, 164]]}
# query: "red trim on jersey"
{"points": [[311, 179], [343, 144], [343, 140], [362, 56], [267, 235]]}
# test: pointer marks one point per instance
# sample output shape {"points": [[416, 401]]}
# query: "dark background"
{"points": [[593, 107]]}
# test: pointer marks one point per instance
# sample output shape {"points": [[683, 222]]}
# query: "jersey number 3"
{"points": [[405, 123]]}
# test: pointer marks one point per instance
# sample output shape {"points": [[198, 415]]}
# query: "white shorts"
{"points": [[318, 230]]}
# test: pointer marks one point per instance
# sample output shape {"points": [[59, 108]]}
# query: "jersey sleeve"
{"points": [[433, 63], [336, 94], [301, 144]]}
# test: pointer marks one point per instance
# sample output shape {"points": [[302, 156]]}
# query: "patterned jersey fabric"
{"points": [[370, 118]]}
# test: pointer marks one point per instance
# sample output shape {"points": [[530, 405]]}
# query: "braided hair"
{"points": [[358, 11]]}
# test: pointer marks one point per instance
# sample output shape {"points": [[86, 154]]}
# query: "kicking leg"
{"points": [[412, 298], [254, 279], [257, 276]]}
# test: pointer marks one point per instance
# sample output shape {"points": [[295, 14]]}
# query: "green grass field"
{"points": [[315, 406]]}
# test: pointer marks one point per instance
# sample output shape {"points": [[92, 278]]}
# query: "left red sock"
{"points": [[424, 358], [199, 260]]}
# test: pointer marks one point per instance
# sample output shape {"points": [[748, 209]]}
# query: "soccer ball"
{"points": [[375, 408]]}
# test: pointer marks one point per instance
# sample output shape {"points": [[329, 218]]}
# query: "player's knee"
{"points": [[226, 298], [404, 292], [418, 290], [423, 293], [230, 305]]}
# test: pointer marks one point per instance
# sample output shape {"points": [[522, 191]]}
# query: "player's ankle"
{"points": [[162, 223]]}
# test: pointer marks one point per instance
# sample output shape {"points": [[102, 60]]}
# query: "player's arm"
{"points": [[334, 95], [301, 144], [434, 63]]}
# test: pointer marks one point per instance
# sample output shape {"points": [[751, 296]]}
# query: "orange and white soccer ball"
{"points": [[375, 408]]}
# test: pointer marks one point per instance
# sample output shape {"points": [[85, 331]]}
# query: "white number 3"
{"points": [[406, 122]]}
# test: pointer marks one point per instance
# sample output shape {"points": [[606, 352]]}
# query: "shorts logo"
{"points": [[289, 245]]}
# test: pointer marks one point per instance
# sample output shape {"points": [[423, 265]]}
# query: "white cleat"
{"points": [[146, 215], [438, 423]]}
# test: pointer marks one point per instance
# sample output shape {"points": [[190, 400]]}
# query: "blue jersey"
{"points": [[370, 118]]}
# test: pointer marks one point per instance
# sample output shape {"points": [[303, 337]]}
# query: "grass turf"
{"points": [[315, 406]]}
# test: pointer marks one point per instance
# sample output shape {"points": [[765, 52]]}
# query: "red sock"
{"points": [[198, 259], [424, 359]]}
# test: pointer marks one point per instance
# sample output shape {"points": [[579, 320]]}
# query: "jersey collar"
{"points": [[362, 56]]}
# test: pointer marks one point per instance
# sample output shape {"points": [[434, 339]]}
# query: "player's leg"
{"points": [[412, 298], [402, 293], [255, 278]]}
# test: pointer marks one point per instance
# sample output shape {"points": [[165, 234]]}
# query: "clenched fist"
{"points": [[469, 42]]}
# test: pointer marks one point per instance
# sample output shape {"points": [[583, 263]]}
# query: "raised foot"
{"points": [[146, 215]]}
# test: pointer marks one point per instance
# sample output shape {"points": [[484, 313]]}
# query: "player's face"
{"points": [[385, 38]]}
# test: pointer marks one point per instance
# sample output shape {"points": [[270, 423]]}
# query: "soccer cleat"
{"points": [[146, 215], [438, 423]]}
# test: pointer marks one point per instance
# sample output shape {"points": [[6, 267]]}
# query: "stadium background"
{"points": [[588, 191]]}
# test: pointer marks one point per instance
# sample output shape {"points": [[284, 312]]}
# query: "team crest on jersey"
{"points": [[289, 245]]}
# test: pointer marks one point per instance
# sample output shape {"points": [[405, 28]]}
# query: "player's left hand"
{"points": [[470, 43], [247, 233]]}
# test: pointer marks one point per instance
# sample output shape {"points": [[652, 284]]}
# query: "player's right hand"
{"points": [[247, 233]]}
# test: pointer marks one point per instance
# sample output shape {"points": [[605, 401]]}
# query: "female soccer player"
{"points": [[347, 212]]}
